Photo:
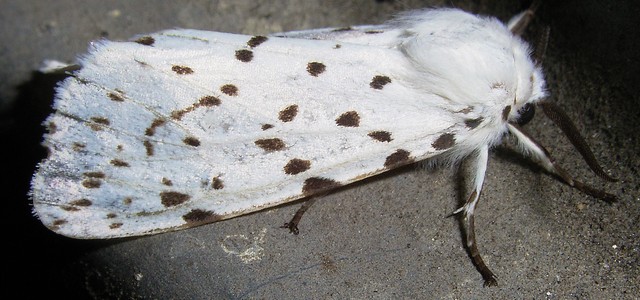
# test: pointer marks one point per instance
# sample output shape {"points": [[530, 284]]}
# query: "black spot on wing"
{"points": [[91, 183], [200, 216], [81, 202], [297, 166], [229, 89], [244, 55], [145, 40], [101, 120], [316, 68], [398, 158], [381, 136], [96, 174], [318, 184], [151, 130], [444, 141], [273, 144], [148, 146], [349, 119], [378, 82], [115, 97], [342, 29], [171, 198], [473, 123], [217, 183], [205, 101], [288, 113], [191, 141], [209, 101], [256, 41], [119, 163], [182, 70]]}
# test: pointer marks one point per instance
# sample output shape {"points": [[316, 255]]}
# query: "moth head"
{"points": [[529, 88], [525, 114], [528, 64]]}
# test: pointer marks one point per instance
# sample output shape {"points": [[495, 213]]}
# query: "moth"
{"points": [[181, 128]]}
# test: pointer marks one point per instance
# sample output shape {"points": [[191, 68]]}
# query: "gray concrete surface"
{"points": [[386, 237]]}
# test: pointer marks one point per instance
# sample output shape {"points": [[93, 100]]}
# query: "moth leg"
{"points": [[558, 116], [293, 224], [543, 156], [469, 219]]}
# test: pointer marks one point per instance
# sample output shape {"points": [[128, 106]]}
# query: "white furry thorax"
{"points": [[470, 61]]}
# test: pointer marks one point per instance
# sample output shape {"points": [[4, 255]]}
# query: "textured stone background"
{"points": [[385, 237]]}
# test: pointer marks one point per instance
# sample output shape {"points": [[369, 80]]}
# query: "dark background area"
{"points": [[384, 237]]}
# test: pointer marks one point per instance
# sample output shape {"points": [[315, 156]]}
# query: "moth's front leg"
{"points": [[468, 211]]}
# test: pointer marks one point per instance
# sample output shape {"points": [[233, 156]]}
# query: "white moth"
{"points": [[184, 127]]}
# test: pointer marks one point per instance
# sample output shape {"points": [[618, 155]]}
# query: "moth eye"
{"points": [[525, 114]]}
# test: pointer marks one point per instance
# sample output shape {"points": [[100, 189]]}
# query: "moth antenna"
{"points": [[560, 118], [541, 46], [468, 211], [541, 154], [519, 22]]}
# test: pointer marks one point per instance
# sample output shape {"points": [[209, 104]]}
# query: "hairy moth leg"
{"points": [[468, 211], [544, 157], [560, 118], [293, 224]]}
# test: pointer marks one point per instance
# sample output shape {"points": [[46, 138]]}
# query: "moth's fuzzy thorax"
{"points": [[474, 62], [469, 60]]}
